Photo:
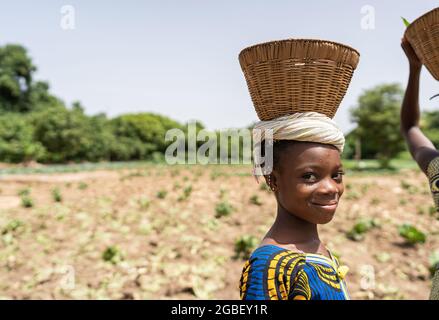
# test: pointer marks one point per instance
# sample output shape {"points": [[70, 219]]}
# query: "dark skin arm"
{"points": [[421, 148]]}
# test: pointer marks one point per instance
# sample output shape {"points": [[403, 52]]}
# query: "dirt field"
{"points": [[154, 233]]}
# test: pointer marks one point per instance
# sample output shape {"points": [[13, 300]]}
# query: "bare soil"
{"points": [[173, 246]]}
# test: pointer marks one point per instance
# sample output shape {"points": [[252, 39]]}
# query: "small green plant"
{"points": [[364, 188], [223, 208], [56, 194], [12, 226], [144, 203], [405, 185], [133, 174], [383, 257], [175, 173], [254, 199], [244, 246], [24, 192], [27, 201], [359, 230], [161, 194], [112, 254], [215, 174], [198, 173], [411, 189], [375, 201], [352, 195], [186, 193], [82, 186], [212, 224], [411, 234], [222, 193]]}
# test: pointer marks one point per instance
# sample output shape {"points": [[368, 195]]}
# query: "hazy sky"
{"points": [[180, 58]]}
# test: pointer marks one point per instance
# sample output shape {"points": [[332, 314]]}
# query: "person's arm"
{"points": [[421, 148]]}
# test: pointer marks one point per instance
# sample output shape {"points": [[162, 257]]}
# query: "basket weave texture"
{"points": [[297, 75], [423, 35]]}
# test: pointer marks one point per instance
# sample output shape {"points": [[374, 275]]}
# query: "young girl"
{"points": [[421, 148], [292, 262], [306, 176]]}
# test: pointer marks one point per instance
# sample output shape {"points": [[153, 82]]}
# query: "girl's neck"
{"points": [[294, 233]]}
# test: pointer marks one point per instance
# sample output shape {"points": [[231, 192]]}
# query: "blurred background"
{"points": [[89, 208]]}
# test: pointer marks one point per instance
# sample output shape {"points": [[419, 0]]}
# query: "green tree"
{"points": [[16, 139], [40, 97], [18, 91], [70, 135], [140, 136], [377, 119], [37, 125], [16, 71]]}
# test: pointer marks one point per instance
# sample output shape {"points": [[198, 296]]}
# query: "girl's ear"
{"points": [[271, 181]]}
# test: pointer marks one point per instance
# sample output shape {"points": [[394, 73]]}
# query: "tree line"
{"points": [[37, 126]]}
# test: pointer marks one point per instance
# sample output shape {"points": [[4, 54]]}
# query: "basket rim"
{"points": [[310, 40], [421, 18]]}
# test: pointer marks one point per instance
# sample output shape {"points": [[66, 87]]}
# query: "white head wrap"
{"points": [[306, 126]]}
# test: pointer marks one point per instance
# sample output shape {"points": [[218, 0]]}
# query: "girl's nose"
{"points": [[328, 187]]}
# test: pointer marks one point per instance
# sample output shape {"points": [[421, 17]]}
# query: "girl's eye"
{"points": [[309, 177], [339, 175]]}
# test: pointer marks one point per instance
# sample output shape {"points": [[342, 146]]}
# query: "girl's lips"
{"points": [[331, 206]]}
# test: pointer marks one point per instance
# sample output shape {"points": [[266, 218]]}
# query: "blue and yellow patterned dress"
{"points": [[276, 273], [433, 179]]}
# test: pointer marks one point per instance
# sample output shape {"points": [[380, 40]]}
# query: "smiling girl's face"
{"points": [[308, 180]]}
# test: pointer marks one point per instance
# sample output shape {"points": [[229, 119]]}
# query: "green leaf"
{"points": [[406, 23]]}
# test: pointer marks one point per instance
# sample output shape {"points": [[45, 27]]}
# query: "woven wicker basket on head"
{"points": [[423, 35], [297, 75]]}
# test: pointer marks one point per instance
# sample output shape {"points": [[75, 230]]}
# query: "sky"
{"points": [[180, 58]]}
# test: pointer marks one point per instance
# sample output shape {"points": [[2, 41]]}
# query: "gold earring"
{"points": [[269, 183]]}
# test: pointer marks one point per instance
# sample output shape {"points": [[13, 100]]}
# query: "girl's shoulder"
{"points": [[268, 258], [269, 272], [274, 272], [268, 252], [273, 260]]}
